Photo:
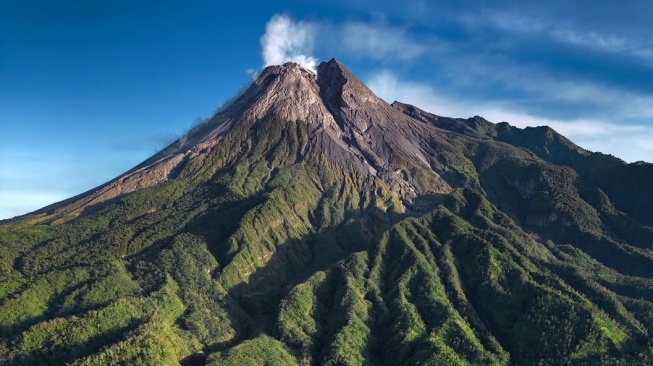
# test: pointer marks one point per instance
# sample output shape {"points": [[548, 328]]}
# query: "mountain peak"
{"points": [[331, 66], [286, 91], [336, 79], [287, 68], [350, 126]]}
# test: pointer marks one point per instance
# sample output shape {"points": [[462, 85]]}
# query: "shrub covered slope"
{"points": [[311, 223]]}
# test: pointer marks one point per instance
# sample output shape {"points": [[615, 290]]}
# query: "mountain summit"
{"points": [[347, 124], [310, 222]]}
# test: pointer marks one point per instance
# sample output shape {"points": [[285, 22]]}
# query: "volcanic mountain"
{"points": [[312, 223]]}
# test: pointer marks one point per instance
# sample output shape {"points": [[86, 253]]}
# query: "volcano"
{"points": [[309, 222]]}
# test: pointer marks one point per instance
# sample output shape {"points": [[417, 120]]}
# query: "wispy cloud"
{"points": [[380, 41], [286, 40], [569, 33], [607, 42], [505, 20], [627, 141], [538, 85], [390, 88], [495, 78]]}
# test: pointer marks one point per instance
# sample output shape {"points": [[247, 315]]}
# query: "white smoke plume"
{"points": [[286, 40]]}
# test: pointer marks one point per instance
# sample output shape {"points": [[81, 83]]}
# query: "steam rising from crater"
{"points": [[286, 40]]}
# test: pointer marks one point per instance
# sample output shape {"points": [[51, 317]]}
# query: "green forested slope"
{"points": [[269, 250]]}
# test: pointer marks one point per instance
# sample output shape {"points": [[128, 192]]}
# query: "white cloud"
{"points": [[628, 142], [380, 42], [286, 40]]}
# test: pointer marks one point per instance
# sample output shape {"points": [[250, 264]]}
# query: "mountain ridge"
{"points": [[201, 138], [310, 222], [287, 92]]}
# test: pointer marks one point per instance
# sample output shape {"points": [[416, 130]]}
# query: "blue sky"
{"points": [[90, 89]]}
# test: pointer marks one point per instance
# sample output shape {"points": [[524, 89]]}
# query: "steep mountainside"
{"points": [[312, 223]]}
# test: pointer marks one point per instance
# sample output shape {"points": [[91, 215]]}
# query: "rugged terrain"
{"points": [[312, 223]]}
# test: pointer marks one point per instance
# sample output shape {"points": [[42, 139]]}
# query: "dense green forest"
{"points": [[517, 248]]}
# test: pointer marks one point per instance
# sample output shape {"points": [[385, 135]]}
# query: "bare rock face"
{"points": [[286, 92], [351, 102], [350, 126], [365, 118]]}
